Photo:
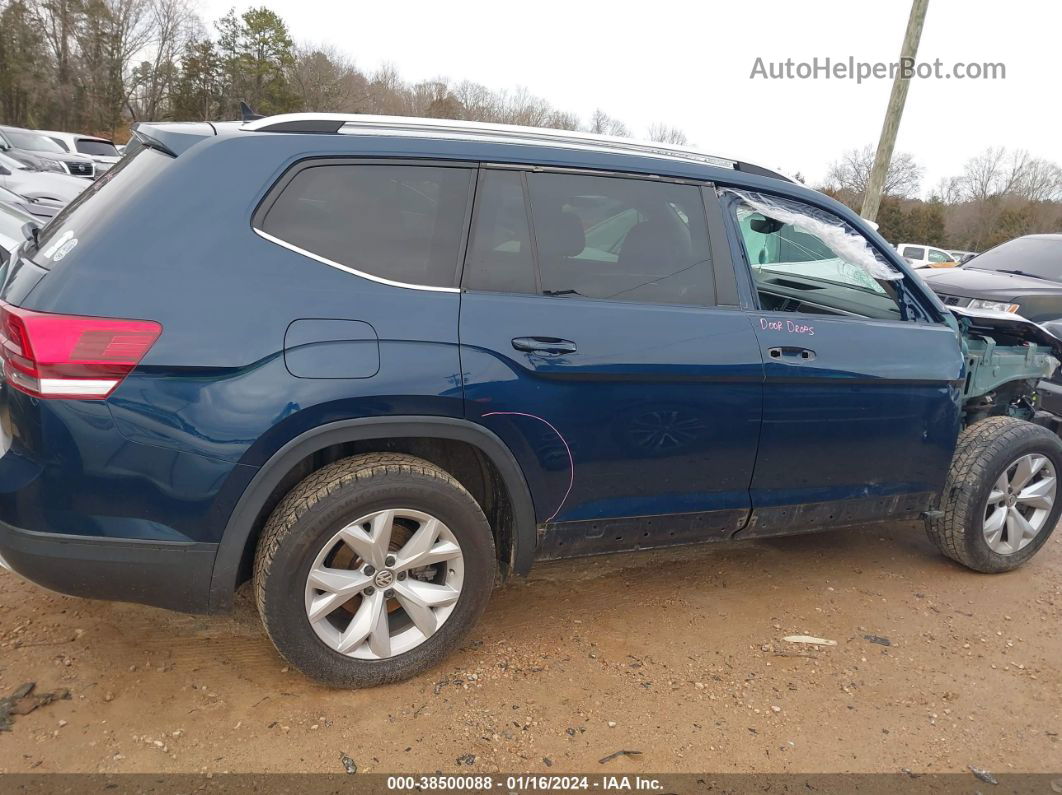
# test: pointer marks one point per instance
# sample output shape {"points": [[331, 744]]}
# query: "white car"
{"points": [[922, 256], [102, 151], [18, 177]]}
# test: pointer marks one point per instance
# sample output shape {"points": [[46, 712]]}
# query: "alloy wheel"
{"points": [[1019, 504], [384, 584]]}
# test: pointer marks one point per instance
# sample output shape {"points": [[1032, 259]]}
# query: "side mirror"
{"points": [[765, 225], [30, 229]]}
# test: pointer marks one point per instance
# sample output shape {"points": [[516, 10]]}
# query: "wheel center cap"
{"points": [[384, 578], [1012, 500]]}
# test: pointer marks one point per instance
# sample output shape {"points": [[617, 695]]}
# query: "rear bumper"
{"points": [[174, 575]]}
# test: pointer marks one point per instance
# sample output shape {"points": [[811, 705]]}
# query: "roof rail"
{"points": [[353, 123]]}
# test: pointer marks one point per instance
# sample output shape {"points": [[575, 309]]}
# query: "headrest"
{"points": [[559, 233], [652, 242]]}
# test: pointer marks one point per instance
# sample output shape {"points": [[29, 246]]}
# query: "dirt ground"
{"points": [[677, 654]]}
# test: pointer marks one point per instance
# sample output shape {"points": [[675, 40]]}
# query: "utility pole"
{"points": [[897, 98]]}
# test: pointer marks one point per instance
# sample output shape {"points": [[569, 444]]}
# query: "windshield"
{"points": [[32, 141], [87, 146], [1035, 256]]}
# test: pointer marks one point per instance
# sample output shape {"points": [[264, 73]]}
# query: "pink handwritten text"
{"points": [[789, 326]]}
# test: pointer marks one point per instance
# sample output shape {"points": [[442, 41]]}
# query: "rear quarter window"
{"points": [[399, 223]]}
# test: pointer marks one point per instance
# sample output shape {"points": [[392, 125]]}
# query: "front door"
{"points": [[595, 348], [860, 413]]}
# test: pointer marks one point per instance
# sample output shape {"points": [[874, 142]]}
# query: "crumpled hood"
{"points": [[1007, 328]]}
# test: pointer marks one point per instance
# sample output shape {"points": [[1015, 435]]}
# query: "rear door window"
{"points": [[395, 222], [621, 239], [914, 253]]}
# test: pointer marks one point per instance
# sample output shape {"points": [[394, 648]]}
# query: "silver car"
{"points": [[41, 209], [40, 151], [20, 178]]}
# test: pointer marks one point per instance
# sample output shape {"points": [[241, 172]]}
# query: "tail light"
{"points": [[67, 356]]}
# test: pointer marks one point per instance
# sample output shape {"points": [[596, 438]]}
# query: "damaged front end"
{"points": [[1006, 357]]}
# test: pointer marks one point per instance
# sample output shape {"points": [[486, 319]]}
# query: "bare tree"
{"points": [[151, 83], [948, 190], [109, 34], [603, 124], [57, 19], [326, 80], [478, 102], [1040, 181], [434, 99], [982, 174], [852, 173], [997, 172], [664, 134], [388, 95]]}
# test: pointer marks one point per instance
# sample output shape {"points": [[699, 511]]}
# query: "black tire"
{"points": [[984, 450], [320, 506]]}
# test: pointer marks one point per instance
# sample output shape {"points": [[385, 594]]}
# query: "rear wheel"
{"points": [[372, 569], [1000, 504]]}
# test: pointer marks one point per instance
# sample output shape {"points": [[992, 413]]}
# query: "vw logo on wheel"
{"points": [[384, 578]]}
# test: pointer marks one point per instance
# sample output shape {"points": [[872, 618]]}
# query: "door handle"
{"points": [[790, 353], [551, 345]]}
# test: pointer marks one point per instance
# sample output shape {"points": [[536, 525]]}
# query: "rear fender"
{"points": [[242, 522]]}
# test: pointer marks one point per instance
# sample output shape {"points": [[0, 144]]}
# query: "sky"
{"points": [[689, 65]]}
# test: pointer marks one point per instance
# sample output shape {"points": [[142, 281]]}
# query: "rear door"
{"points": [[597, 347], [860, 411]]}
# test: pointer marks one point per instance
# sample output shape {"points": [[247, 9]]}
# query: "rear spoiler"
{"points": [[173, 138]]}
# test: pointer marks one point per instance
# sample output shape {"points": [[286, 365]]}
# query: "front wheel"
{"points": [[372, 569], [1000, 503]]}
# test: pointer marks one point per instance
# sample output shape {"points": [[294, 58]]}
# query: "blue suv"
{"points": [[369, 363]]}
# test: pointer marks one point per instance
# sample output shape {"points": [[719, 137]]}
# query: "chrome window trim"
{"points": [[348, 269], [535, 168]]}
